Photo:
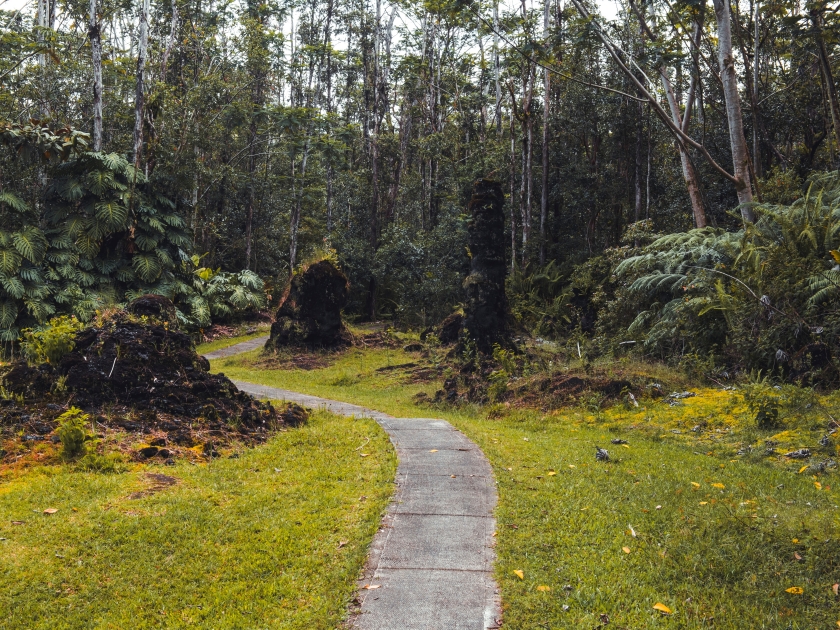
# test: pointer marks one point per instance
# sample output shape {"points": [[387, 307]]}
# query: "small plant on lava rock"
{"points": [[72, 431], [51, 342]]}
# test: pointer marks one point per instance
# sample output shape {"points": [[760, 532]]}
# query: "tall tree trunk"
{"points": [[512, 192], [546, 111], [737, 141], [140, 95], [637, 213], [757, 163], [95, 37], [497, 69], [689, 175], [173, 34], [825, 68]]}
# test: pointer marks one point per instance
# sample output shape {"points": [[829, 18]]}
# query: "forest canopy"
{"points": [[204, 150]]}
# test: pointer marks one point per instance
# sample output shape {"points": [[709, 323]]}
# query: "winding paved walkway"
{"points": [[431, 561]]}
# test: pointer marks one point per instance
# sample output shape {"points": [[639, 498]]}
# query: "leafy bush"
{"points": [[72, 431], [540, 300], [49, 343], [205, 294], [760, 298]]}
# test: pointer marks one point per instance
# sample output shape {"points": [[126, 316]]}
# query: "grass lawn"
{"points": [[675, 519], [272, 539]]}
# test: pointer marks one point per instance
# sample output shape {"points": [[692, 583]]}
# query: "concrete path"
{"points": [[431, 562], [239, 348]]}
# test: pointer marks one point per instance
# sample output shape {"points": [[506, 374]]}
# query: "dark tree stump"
{"points": [[310, 311], [486, 314]]}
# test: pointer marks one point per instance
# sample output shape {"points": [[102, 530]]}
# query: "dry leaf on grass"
{"points": [[626, 549], [719, 486], [835, 588], [519, 573], [794, 590], [695, 484], [662, 608], [50, 511], [544, 589], [370, 587], [551, 473]]}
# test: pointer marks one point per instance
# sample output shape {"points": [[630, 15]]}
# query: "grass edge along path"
{"points": [[660, 536], [274, 538]]}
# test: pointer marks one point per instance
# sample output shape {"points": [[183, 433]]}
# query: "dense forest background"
{"points": [[202, 147]]}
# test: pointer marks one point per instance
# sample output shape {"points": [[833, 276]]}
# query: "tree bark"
{"points": [[825, 68], [737, 141], [546, 110], [140, 95], [689, 175], [95, 37], [497, 69]]}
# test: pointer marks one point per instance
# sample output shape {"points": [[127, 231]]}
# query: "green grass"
{"points": [[718, 557], [273, 539], [224, 342]]}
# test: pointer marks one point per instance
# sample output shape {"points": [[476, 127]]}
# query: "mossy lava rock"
{"points": [[310, 312]]}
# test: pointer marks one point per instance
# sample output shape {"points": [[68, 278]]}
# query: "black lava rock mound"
{"points": [[149, 377], [310, 311]]}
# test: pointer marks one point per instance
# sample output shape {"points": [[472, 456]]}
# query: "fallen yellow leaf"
{"points": [[626, 549], [704, 502], [720, 486], [50, 511], [551, 473], [434, 450], [795, 540], [543, 589], [794, 590], [818, 485], [804, 468], [695, 484], [626, 445], [571, 465], [662, 608], [519, 573]]}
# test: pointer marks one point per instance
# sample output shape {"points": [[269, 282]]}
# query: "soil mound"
{"points": [[310, 311], [141, 378]]}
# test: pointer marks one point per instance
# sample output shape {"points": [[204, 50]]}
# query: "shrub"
{"points": [[72, 431], [51, 342]]}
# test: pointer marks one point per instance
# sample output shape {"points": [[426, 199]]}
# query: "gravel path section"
{"points": [[430, 566], [239, 348]]}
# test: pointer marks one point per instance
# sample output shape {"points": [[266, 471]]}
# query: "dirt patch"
{"points": [[294, 360], [158, 482]]}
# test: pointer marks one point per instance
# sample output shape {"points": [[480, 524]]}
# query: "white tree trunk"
{"points": [[95, 36], [740, 156], [140, 96]]}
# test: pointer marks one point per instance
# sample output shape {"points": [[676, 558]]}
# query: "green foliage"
{"points": [[760, 297], [72, 431], [107, 463], [763, 401], [49, 343], [540, 300], [205, 294]]}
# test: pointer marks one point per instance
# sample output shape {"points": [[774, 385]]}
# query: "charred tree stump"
{"points": [[310, 311], [486, 312]]}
